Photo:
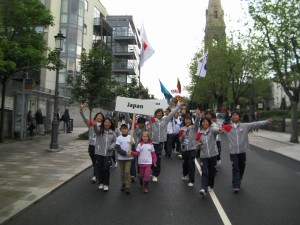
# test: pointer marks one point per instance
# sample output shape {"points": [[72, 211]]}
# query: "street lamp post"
{"points": [[250, 80], [59, 44]]}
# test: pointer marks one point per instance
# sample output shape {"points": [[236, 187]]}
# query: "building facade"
{"points": [[85, 24]]}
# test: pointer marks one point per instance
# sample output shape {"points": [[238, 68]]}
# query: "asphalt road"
{"points": [[269, 195]]}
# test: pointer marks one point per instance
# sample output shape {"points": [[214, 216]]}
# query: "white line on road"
{"points": [[216, 201]]}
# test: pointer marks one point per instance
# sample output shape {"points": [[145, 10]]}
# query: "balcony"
{"points": [[128, 68], [101, 27], [103, 44], [127, 37], [129, 52]]}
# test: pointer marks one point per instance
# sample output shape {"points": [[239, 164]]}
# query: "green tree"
{"points": [[132, 90], [22, 47], [93, 85], [277, 26]]}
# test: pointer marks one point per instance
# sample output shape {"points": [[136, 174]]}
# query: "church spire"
{"points": [[215, 25]]}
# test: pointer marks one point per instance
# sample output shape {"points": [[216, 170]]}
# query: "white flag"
{"points": [[202, 67], [146, 49]]}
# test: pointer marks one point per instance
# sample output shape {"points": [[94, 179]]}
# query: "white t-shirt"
{"points": [[124, 143], [145, 156]]}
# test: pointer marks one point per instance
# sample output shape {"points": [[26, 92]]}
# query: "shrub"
{"points": [[84, 136]]}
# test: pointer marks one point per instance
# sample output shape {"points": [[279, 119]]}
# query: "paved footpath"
{"points": [[275, 142], [29, 171]]}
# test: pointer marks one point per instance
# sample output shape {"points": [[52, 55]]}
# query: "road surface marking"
{"points": [[215, 201]]}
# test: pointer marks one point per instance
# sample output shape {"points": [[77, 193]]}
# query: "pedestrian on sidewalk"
{"points": [[40, 122], [187, 138], [159, 125], [237, 134], [30, 123], [66, 118], [104, 147], [98, 118], [146, 158], [208, 154], [124, 146]]}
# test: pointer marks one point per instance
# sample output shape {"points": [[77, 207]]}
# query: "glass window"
{"points": [[71, 65], [96, 13], [79, 49], [73, 18], [81, 9], [86, 5], [64, 6], [71, 48], [80, 21], [62, 78], [79, 37], [64, 18], [84, 28]]}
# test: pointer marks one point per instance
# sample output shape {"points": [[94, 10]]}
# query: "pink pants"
{"points": [[144, 171]]}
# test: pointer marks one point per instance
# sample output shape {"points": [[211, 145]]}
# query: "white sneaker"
{"points": [[94, 179], [105, 188], [209, 189], [101, 186], [184, 178], [202, 193], [116, 164], [154, 179], [191, 184], [180, 156]]}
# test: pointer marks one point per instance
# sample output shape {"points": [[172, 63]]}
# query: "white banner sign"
{"points": [[140, 106]]}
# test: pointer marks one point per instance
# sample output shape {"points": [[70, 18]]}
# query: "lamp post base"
{"points": [[54, 136]]}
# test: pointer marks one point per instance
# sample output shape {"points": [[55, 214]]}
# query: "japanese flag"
{"points": [[146, 49]]}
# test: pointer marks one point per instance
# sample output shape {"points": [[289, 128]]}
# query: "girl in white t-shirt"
{"points": [[146, 157]]}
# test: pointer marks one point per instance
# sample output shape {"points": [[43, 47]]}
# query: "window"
{"points": [[216, 14], [86, 5], [64, 6], [64, 18], [84, 28]]}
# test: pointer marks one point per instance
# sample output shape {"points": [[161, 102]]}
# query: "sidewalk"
{"points": [[275, 142], [29, 171]]}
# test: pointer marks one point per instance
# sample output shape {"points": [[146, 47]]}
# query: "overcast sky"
{"points": [[175, 30]]}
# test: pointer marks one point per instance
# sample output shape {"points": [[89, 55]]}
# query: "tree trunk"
{"points": [[294, 122], [2, 110]]}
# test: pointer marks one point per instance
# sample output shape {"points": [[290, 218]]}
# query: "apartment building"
{"points": [[85, 24]]}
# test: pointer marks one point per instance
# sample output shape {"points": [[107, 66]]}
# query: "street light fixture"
{"points": [[59, 44]]}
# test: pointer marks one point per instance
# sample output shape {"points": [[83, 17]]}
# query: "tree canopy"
{"points": [[277, 37], [22, 48]]}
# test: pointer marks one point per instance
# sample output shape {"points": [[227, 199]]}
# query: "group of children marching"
{"points": [[147, 146]]}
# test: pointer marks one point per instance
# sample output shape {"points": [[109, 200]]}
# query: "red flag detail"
{"points": [[198, 136], [227, 127], [181, 133], [145, 45]]}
